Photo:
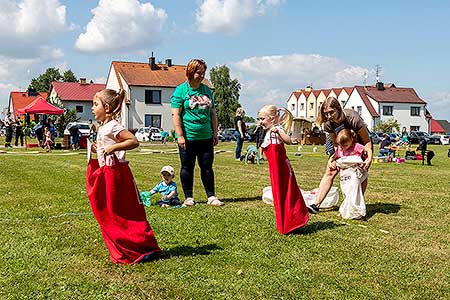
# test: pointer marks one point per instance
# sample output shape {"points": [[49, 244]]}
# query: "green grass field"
{"points": [[51, 246]]}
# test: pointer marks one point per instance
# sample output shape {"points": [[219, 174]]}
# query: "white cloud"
{"points": [[29, 23], [271, 79], [228, 16], [122, 24], [437, 105]]}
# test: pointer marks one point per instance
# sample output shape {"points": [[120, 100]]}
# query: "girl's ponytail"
{"points": [[285, 118], [117, 103]]}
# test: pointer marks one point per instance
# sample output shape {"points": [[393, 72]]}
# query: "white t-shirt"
{"points": [[107, 136], [272, 137]]}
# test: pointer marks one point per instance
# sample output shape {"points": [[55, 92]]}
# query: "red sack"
{"points": [[290, 208], [115, 202]]}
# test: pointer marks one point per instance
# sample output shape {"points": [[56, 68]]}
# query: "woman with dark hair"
{"points": [[334, 118], [195, 123]]}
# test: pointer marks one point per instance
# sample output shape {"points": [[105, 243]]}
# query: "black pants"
{"points": [[203, 151], [19, 135]]}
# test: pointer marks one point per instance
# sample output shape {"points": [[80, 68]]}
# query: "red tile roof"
{"points": [[394, 94], [75, 91], [435, 127], [140, 74], [21, 99], [362, 92]]}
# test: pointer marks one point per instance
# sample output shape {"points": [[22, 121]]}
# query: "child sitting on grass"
{"points": [[167, 188]]}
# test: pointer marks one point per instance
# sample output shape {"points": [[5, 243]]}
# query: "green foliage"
{"points": [[248, 119], [43, 82], [390, 125], [69, 76], [226, 95], [66, 118]]}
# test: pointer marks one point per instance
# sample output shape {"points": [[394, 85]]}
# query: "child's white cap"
{"points": [[168, 169]]}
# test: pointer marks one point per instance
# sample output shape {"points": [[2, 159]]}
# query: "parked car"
{"points": [[142, 134], [376, 137], [227, 135], [445, 139], [394, 136], [155, 134], [148, 134], [434, 139], [82, 126], [416, 136]]}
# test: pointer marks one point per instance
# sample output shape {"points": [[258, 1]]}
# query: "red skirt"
{"points": [[290, 209], [115, 202]]}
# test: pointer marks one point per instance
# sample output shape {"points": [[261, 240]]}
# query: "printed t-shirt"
{"points": [[107, 136]]}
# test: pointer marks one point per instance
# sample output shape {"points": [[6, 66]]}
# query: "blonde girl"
{"points": [[290, 208], [111, 188]]}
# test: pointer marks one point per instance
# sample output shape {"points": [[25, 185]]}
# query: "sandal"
{"points": [[189, 202], [214, 201]]}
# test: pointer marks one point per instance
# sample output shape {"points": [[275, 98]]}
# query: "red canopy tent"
{"points": [[40, 106]]}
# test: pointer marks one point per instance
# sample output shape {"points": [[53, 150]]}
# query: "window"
{"points": [[414, 128], [415, 110], [343, 103], [311, 106], [302, 106], [152, 97], [79, 108], [359, 109], [153, 120], [292, 107], [387, 110]]}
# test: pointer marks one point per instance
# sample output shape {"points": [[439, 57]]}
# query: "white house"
{"points": [[76, 95], [148, 88], [374, 104], [383, 102]]}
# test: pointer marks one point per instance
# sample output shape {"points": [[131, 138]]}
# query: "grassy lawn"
{"points": [[51, 246]]}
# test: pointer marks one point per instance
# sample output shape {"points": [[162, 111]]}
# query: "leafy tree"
{"points": [[42, 83], [68, 76], [387, 126], [66, 118], [226, 95]]}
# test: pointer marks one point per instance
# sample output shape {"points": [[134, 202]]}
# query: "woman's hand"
{"points": [[109, 150], [215, 140], [181, 142], [332, 164]]}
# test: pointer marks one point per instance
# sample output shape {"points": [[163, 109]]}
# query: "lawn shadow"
{"points": [[189, 251], [257, 198], [381, 208], [311, 228]]}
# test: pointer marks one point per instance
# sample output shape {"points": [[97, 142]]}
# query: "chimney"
{"points": [[380, 86], [83, 81], [31, 92], [151, 62], [308, 88], [169, 62]]}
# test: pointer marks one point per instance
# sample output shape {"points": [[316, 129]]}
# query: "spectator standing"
{"points": [[195, 123], [19, 133], [240, 132], [9, 130]]}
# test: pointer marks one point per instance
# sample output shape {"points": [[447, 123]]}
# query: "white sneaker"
{"points": [[189, 202], [214, 201]]}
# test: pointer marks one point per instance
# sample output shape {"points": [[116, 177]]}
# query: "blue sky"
{"points": [[271, 46]]}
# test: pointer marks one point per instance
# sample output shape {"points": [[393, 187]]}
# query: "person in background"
{"points": [[74, 136], [195, 122], [19, 133], [92, 131], [9, 130], [404, 136], [385, 145], [335, 118], [240, 131]]}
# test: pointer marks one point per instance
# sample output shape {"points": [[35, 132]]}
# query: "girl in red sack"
{"points": [[111, 189], [290, 208]]}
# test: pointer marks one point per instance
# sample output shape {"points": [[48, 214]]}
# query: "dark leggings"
{"points": [[203, 150]]}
